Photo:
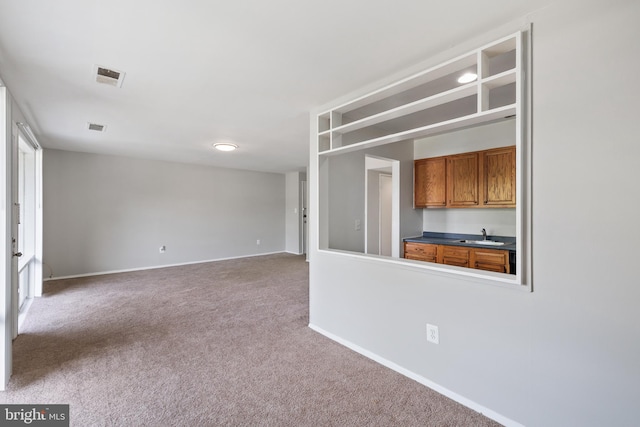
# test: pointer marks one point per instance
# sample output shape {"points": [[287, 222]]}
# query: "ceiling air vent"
{"points": [[96, 127], [108, 76]]}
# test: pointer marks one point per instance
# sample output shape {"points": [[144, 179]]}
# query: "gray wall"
{"points": [[346, 183], [106, 213], [567, 353]]}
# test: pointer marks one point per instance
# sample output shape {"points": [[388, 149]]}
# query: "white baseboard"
{"points": [[422, 380], [100, 273], [294, 253]]}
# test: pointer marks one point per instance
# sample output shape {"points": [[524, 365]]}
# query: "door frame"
{"points": [[375, 165], [6, 259], [8, 227]]}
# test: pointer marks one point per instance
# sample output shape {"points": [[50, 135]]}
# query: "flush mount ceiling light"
{"points": [[467, 78], [225, 146]]}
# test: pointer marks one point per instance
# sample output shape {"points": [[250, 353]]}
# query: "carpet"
{"points": [[222, 343]]}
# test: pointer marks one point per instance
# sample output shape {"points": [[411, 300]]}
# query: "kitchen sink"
{"points": [[483, 242]]}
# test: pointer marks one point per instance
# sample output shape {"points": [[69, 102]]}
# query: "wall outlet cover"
{"points": [[433, 334]]}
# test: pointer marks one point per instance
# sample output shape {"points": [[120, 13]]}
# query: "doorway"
{"points": [[382, 206]]}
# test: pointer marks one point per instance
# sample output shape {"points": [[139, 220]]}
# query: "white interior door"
{"points": [[28, 223], [26, 217], [15, 231]]}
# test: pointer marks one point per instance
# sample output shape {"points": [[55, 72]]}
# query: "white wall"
{"points": [[497, 222], [567, 353], [106, 213]]}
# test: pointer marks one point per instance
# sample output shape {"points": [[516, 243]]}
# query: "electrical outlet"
{"points": [[432, 334], [357, 225], [258, 242], [163, 249]]}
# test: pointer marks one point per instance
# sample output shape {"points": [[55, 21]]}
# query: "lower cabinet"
{"points": [[456, 255], [491, 260], [461, 256], [421, 251]]}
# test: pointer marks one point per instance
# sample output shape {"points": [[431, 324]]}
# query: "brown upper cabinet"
{"points": [[499, 177], [462, 180], [430, 182], [482, 179]]}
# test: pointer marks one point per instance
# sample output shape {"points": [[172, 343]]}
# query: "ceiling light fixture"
{"points": [[225, 146], [467, 78]]}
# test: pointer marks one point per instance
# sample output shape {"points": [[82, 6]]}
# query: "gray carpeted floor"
{"points": [[221, 343]]}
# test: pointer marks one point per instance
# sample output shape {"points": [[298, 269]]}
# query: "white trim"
{"points": [[22, 263], [30, 137], [6, 336], [39, 247], [422, 380], [22, 313], [128, 270]]}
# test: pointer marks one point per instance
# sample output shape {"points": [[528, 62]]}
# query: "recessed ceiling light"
{"points": [[467, 78], [225, 146]]}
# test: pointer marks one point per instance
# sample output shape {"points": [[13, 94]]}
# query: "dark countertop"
{"points": [[454, 239]]}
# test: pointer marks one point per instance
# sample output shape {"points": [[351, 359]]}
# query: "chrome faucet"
{"points": [[484, 234]]}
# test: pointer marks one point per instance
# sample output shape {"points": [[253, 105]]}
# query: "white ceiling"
{"points": [[204, 71]]}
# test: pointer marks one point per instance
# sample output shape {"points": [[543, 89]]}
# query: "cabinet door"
{"points": [[462, 180], [455, 255], [491, 260], [421, 251], [499, 177], [430, 182]]}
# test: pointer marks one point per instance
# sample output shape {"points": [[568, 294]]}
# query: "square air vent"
{"points": [[96, 127], [108, 76]]}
